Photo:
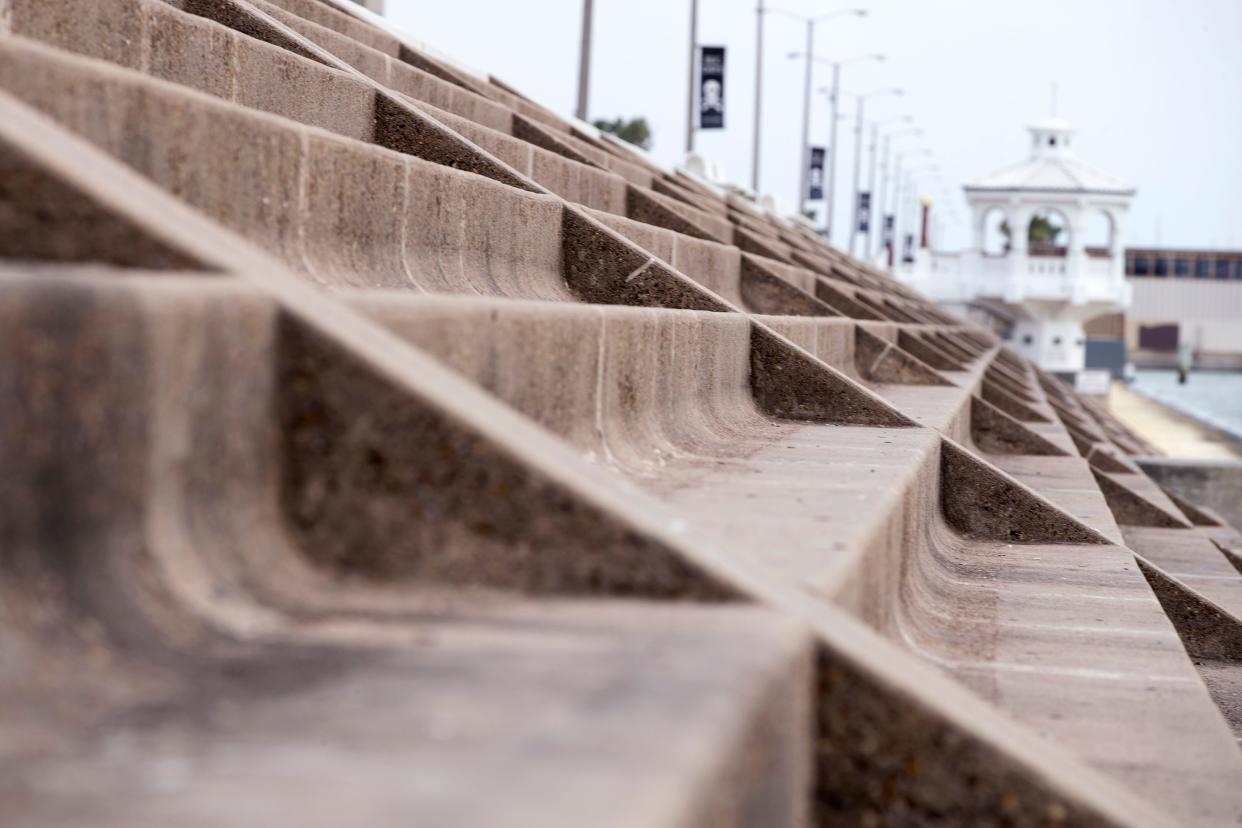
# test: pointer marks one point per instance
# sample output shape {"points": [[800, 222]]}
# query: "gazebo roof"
{"points": [[1064, 174], [1052, 167]]}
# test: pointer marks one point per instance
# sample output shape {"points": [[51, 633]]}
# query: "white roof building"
{"points": [[1043, 278]]}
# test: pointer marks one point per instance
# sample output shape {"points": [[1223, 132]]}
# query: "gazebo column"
{"points": [[1076, 254], [1018, 271], [1117, 245]]}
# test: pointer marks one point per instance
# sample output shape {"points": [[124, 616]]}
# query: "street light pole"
{"points": [[690, 96], [584, 60], [830, 202], [858, 128], [882, 193], [896, 239], [858, 132], [911, 193], [875, 138], [805, 159], [882, 196], [754, 157], [805, 164], [899, 193], [834, 103]]}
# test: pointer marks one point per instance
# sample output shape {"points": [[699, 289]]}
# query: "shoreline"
{"points": [[1174, 430], [1230, 430]]}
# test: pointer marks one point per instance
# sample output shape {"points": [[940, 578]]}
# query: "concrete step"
{"points": [[256, 74], [228, 680], [729, 462], [678, 438]]}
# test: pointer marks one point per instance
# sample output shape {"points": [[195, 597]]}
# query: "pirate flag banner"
{"points": [[711, 87], [815, 175], [864, 212]]}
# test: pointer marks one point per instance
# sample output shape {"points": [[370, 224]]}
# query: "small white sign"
{"points": [[1094, 381]]}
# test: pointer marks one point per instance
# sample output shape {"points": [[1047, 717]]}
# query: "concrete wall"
{"points": [[1216, 484]]}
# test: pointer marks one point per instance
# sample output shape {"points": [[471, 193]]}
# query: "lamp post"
{"points": [[877, 198], [912, 175], [754, 144], [584, 60], [858, 131], [834, 118], [882, 202], [898, 192], [694, 42], [809, 54]]}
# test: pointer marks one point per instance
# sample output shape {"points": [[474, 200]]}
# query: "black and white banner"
{"points": [[815, 175], [890, 222], [711, 87], [907, 254], [864, 212]]}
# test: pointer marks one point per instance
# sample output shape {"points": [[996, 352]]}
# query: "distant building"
{"points": [[1180, 295]]}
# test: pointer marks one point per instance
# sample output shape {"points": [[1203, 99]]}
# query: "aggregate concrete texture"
{"points": [[393, 450]]}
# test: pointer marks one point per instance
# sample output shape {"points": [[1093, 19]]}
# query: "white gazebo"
{"points": [[1030, 261]]}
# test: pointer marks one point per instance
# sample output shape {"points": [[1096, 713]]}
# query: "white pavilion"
{"points": [[1030, 263]]}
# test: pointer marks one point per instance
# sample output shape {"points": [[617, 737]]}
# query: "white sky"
{"points": [[1153, 86]]}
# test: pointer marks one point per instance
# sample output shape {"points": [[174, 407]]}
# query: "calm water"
{"points": [[1212, 396]]}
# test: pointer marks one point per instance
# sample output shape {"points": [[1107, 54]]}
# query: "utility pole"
{"points": [[691, 96], [754, 157], [584, 60]]}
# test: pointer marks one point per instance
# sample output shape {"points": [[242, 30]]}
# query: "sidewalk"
{"points": [[1174, 433]]}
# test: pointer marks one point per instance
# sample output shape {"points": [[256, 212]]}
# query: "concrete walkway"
{"points": [[1174, 433]]}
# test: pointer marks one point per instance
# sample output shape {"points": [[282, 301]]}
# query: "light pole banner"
{"points": [[815, 175], [890, 222], [907, 254], [864, 212], [711, 87]]}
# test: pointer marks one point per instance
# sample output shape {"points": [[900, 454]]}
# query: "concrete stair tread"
{"points": [[535, 716]]}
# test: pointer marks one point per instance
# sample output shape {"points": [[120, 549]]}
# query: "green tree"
{"points": [[1041, 231], [635, 130]]}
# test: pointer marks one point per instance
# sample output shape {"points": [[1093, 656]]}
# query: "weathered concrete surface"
{"points": [[1216, 484], [388, 362]]}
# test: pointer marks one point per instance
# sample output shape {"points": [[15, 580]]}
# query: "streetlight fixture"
{"points": [[804, 163], [858, 129]]}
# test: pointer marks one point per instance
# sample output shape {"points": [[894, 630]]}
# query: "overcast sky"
{"points": [[1153, 86]]}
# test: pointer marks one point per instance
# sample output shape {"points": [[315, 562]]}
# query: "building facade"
{"points": [[1180, 296]]}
